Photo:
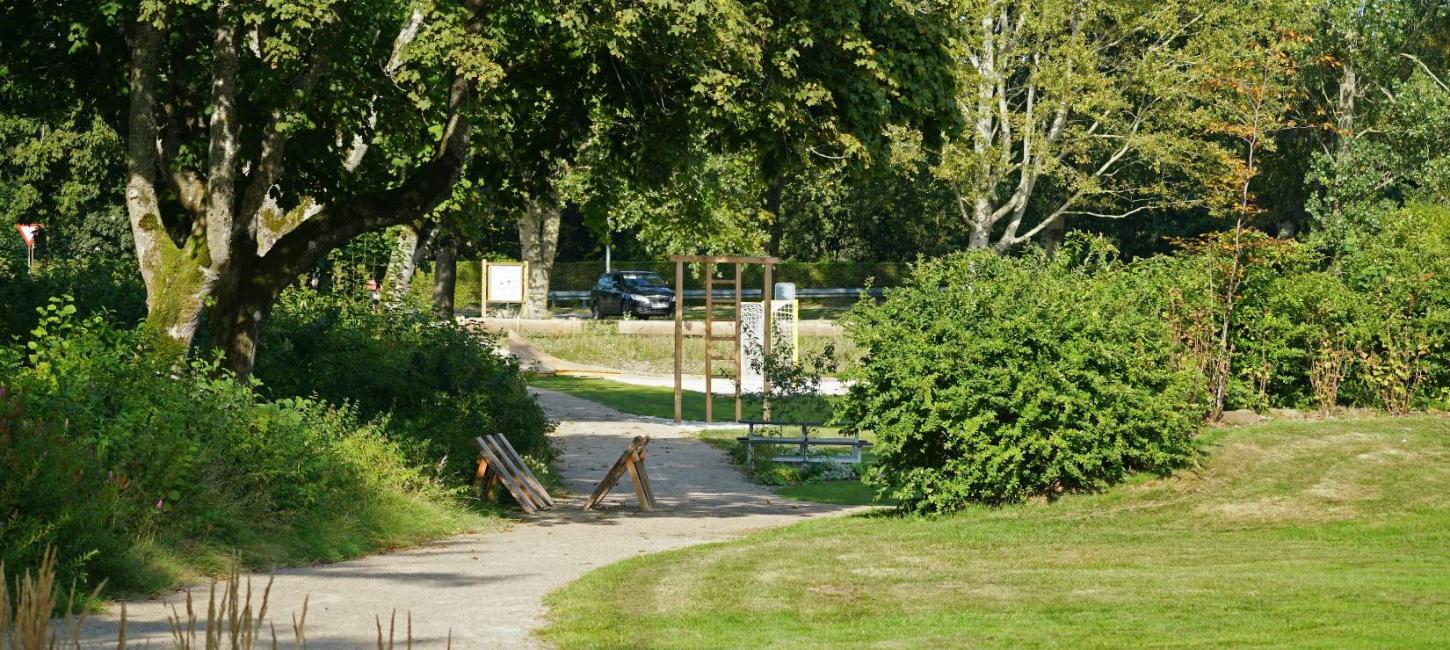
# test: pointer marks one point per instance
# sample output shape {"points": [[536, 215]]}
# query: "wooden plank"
{"points": [[645, 502], [739, 271], [482, 471], [839, 460], [709, 335], [679, 338], [767, 294], [520, 471], [644, 482], [528, 473], [616, 471], [520, 494], [515, 470], [509, 472], [778, 423]]}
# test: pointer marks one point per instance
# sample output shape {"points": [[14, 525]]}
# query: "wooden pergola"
{"points": [[767, 294]]}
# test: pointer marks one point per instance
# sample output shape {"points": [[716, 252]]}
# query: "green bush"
{"points": [[992, 379], [1366, 327], [439, 383], [1295, 339], [142, 470], [97, 286], [1401, 275]]}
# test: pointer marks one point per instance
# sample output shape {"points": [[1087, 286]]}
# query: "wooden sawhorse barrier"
{"points": [[498, 462], [631, 461]]}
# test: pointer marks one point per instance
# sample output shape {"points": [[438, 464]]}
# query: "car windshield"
{"points": [[643, 280]]}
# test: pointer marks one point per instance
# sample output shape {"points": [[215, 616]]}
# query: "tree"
{"points": [[827, 79], [1251, 100], [258, 137], [1378, 78], [60, 160], [1077, 109], [708, 204]]}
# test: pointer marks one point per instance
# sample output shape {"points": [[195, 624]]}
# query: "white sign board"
{"points": [[504, 283]]}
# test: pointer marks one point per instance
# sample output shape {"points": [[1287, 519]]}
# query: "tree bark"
{"points": [[179, 274], [1051, 236], [445, 275], [774, 189], [1345, 107], [410, 251], [399, 276], [538, 243]]}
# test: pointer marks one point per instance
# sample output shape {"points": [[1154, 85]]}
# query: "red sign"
{"points": [[27, 232]]}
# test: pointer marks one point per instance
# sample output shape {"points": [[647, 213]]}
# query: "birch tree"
{"points": [[1074, 109]]}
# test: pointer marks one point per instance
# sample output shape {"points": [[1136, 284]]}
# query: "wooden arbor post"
{"points": [[767, 295]]}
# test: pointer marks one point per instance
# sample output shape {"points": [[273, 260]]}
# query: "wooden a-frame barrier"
{"points": [[631, 462], [498, 462], [767, 294]]}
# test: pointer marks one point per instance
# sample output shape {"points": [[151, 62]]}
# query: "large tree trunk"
{"points": [[980, 235], [242, 249], [1051, 236], [179, 273], [399, 276], [538, 242], [1345, 107], [445, 275], [773, 191], [410, 251], [242, 309]]}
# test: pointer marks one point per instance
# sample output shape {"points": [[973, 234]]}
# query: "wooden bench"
{"points": [[802, 443]]}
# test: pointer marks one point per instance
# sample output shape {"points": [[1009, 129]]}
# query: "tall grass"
{"points": [[142, 473]]}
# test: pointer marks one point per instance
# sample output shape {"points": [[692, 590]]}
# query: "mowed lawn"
{"points": [[655, 355], [659, 401], [1291, 534]]}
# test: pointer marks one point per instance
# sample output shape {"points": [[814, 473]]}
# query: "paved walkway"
{"points": [[487, 590]]}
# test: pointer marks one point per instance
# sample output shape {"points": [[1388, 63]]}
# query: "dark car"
{"points": [[641, 293]]}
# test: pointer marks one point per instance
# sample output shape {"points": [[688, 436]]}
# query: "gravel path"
{"points": [[487, 590]]}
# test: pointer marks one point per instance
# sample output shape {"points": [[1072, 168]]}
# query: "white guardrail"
{"points": [[730, 293]]}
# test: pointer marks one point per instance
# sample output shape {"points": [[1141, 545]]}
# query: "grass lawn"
{"points": [[840, 493], [656, 401], [655, 355], [1303, 534]]}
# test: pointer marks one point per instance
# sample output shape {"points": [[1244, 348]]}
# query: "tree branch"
{"points": [[409, 33], [272, 161], [142, 205], [427, 187], [223, 148]]}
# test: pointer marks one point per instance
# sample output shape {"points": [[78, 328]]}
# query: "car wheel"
{"points": [[594, 312]]}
